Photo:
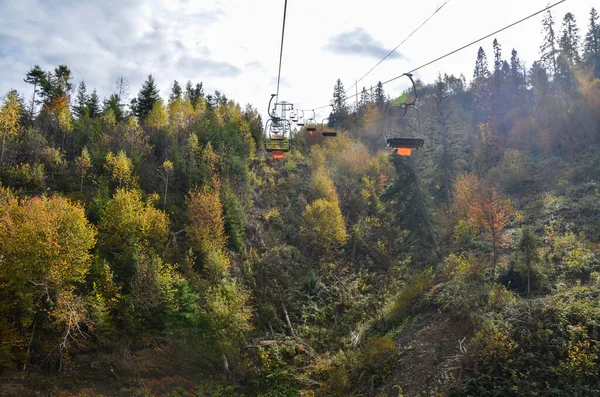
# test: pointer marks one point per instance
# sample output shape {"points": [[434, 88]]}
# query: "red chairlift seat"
{"points": [[278, 154]]}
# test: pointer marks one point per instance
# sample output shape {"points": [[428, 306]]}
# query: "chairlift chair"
{"points": [[327, 133], [311, 124], [300, 120], [403, 145]]}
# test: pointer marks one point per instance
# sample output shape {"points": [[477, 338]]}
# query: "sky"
{"points": [[233, 45]]}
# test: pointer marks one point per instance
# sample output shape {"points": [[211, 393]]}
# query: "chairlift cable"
{"points": [[281, 50], [460, 49], [398, 46]]}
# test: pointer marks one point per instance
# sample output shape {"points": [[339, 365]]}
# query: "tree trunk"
{"points": [[446, 166], [33, 99], [287, 320], [528, 279], [3, 146], [166, 188], [494, 255], [225, 363], [29, 347], [81, 185]]}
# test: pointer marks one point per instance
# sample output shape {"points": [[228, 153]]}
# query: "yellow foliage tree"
{"points": [[323, 226], [127, 224], [206, 224], [45, 245], [158, 117], [10, 112], [120, 168]]}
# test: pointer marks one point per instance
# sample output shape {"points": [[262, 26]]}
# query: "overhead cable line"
{"points": [[395, 48], [281, 50], [459, 49]]}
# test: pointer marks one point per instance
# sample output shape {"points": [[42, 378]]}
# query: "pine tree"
{"points": [[481, 65], [379, 95], [175, 92], [112, 104], [81, 101], [339, 113], [35, 76], [93, 104], [591, 50], [61, 82], [548, 48], [497, 62], [569, 40], [516, 72], [146, 98]]}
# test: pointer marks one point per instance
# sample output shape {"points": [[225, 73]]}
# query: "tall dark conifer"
{"points": [[81, 101], [569, 40], [591, 48], [146, 98], [548, 49], [379, 95], [481, 65]]}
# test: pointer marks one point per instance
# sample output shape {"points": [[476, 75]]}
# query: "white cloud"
{"points": [[233, 45]]}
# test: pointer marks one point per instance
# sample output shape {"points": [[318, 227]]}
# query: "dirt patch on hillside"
{"points": [[430, 349]]}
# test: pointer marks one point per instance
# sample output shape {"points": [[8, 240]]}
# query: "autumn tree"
{"points": [[82, 165], [165, 172], [128, 224], [323, 227], [205, 229], [120, 168], [483, 207], [10, 113], [45, 244]]}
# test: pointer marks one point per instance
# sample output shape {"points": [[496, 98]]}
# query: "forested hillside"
{"points": [[152, 247]]}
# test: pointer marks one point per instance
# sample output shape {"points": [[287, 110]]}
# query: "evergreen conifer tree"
{"points": [[146, 98], [481, 64], [548, 49], [591, 48], [81, 101]]}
